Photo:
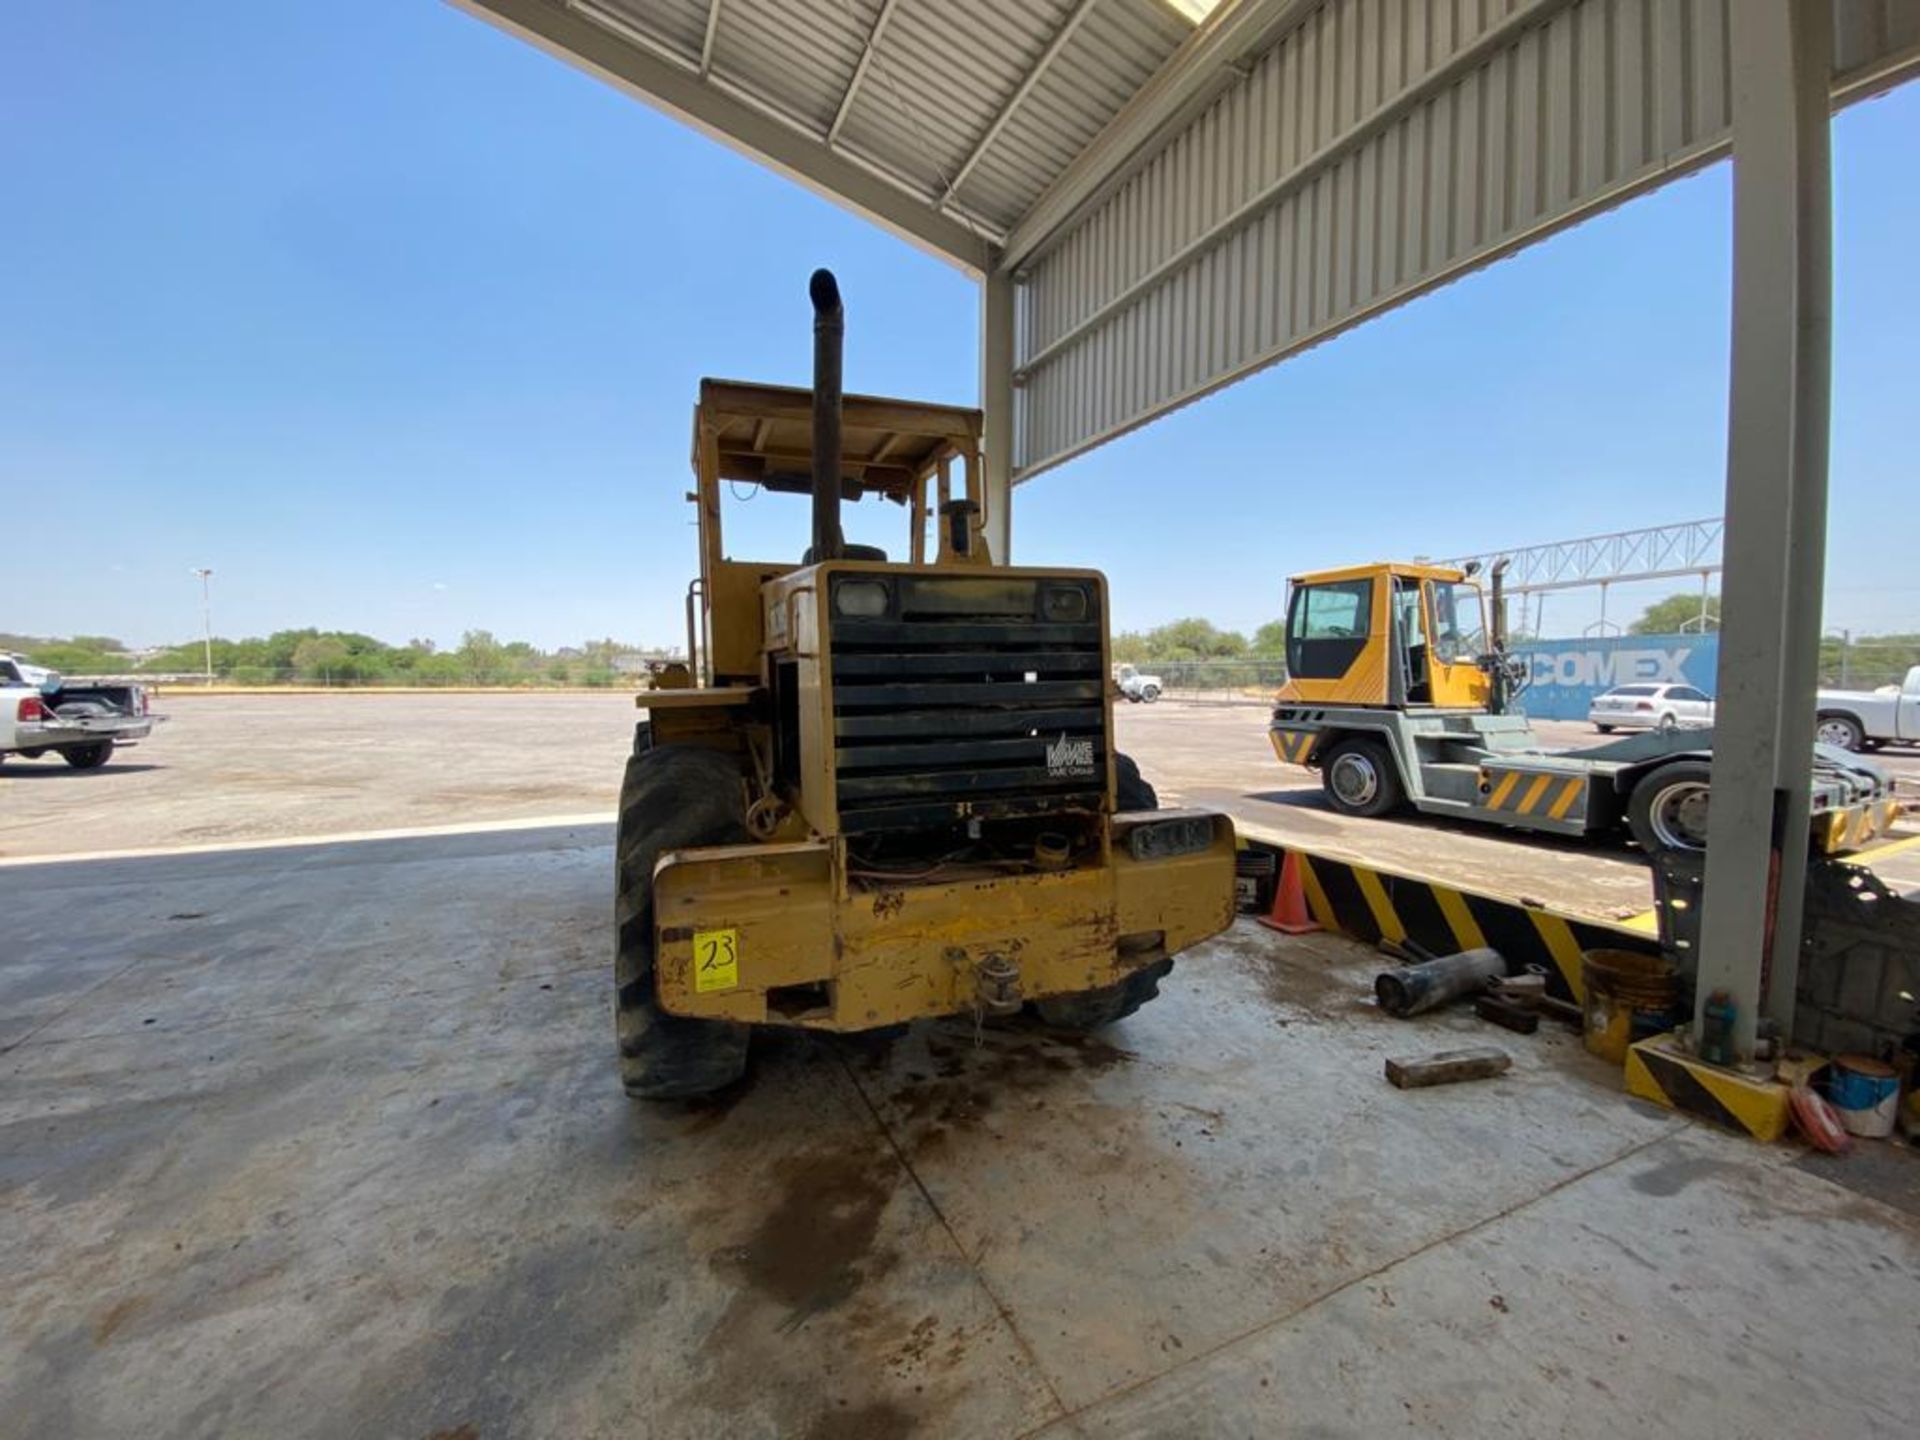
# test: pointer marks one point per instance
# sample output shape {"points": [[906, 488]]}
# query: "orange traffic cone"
{"points": [[1290, 914]]}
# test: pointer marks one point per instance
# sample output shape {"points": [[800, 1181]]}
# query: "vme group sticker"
{"points": [[1070, 758]]}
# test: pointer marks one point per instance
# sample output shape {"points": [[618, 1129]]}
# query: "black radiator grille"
{"points": [[941, 718]]}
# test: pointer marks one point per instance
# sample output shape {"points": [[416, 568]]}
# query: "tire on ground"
{"points": [[1358, 751], [673, 797], [1651, 789], [1093, 1009], [1130, 788], [88, 757], [1833, 728]]}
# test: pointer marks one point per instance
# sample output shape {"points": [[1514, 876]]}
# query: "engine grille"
{"points": [[965, 701]]}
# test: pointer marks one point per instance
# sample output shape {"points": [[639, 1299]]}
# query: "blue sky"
{"points": [[396, 323]]}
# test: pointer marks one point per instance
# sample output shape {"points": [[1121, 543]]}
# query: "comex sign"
{"points": [[1567, 674]]}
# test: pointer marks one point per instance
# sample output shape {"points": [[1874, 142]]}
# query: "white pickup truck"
{"points": [[1137, 687], [1864, 719], [40, 714]]}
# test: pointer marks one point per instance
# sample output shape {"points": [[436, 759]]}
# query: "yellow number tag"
{"points": [[716, 960]]}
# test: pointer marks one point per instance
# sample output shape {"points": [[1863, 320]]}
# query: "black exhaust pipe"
{"points": [[829, 332], [1497, 622], [1500, 673]]}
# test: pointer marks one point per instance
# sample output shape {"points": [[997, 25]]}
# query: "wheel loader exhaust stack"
{"points": [[883, 791], [829, 339]]}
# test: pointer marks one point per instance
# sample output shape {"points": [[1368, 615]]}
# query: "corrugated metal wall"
{"points": [[1381, 148]]}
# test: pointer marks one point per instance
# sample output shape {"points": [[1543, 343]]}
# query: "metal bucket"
{"points": [[1864, 1092], [1623, 985]]}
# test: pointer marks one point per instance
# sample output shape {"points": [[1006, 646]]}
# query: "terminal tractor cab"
{"points": [[1400, 691], [883, 790]]}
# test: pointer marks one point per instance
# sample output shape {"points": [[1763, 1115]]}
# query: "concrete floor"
{"points": [[325, 1141]]}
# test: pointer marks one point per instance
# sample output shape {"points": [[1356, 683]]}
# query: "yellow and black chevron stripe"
{"points": [[1533, 792], [1658, 1072], [1370, 905], [1293, 746]]}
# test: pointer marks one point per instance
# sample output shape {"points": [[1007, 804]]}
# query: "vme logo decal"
{"points": [[1070, 759]]}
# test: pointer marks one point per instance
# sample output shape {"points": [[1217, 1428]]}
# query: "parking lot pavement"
{"points": [[325, 1141], [230, 767]]}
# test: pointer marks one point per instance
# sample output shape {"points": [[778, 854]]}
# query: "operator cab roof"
{"points": [[1415, 569], [765, 435]]}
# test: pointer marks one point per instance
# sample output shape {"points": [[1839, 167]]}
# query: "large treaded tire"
{"points": [[674, 797], [1094, 1009], [1130, 788]]}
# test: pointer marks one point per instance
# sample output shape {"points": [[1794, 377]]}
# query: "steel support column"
{"points": [[996, 403], [1776, 507]]}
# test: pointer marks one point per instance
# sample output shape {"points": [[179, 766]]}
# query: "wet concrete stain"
{"points": [[707, 1111], [1675, 1175], [118, 1315], [814, 1246], [1297, 977], [877, 1420]]}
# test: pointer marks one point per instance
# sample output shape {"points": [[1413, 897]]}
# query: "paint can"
{"points": [[1254, 874], [1866, 1093], [1622, 986]]}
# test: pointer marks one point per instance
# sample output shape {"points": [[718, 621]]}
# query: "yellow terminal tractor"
{"points": [[1400, 693], [883, 791]]}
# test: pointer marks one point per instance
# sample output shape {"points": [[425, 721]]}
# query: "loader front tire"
{"points": [[674, 797]]}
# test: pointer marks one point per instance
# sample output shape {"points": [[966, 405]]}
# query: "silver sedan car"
{"points": [[1650, 707]]}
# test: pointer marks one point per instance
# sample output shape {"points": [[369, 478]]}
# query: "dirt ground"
{"points": [[271, 767]]}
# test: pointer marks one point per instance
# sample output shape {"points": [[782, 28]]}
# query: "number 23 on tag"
{"points": [[716, 960]]}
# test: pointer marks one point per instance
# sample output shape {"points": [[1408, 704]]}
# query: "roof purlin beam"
{"points": [[1197, 72], [706, 41], [677, 89], [1019, 97], [860, 70]]}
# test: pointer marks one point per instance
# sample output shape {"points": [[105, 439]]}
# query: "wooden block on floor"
{"points": [[1448, 1067]]}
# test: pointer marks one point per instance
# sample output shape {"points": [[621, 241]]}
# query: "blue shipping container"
{"points": [[1567, 674]]}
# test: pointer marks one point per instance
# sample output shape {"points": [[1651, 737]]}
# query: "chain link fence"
{"points": [[1848, 664], [1222, 682]]}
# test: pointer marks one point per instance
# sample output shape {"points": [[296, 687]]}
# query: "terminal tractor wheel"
{"points": [[1097, 1008], [1360, 778], [674, 797], [1668, 807]]}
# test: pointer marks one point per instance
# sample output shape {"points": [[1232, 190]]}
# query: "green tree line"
{"points": [[1860, 662], [1197, 639], [339, 657]]}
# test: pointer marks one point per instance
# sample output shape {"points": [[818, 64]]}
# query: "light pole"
{"points": [[206, 614]]}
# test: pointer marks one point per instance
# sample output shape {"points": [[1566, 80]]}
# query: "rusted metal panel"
{"points": [[1378, 149]]}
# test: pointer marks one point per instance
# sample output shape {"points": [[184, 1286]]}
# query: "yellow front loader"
{"points": [[883, 791]]}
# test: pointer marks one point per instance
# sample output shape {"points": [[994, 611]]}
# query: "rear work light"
{"points": [[1164, 839], [32, 707]]}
